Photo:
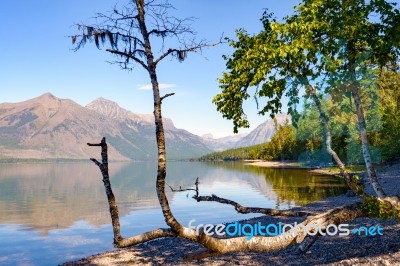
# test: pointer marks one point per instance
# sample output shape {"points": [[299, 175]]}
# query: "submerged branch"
{"points": [[216, 246], [244, 210], [240, 208]]}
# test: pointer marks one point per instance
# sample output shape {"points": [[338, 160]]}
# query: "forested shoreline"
{"points": [[303, 140], [343, 63]]}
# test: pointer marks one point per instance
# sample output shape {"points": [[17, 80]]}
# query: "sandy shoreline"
{"points": [[294, 165], [274, 164], [332, 250]]}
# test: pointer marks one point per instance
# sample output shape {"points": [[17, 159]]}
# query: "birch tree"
{"points": [[332, 41], [128, 33]]}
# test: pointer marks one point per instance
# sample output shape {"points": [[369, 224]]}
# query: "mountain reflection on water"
{"points": [[55, 195], [57, 212]]}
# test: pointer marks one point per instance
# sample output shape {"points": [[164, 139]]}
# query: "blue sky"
{"points": [[36, 58]]}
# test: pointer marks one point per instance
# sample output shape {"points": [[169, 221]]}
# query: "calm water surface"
{"points": [[52, 213]]}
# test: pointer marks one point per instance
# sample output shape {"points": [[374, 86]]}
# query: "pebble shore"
{"points": [[329, 250]]}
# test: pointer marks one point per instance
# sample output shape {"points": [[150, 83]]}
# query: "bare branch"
{"points": [[95, 161], [181, 53], [239, 208], [122, 27], [221, 246], [166, 95], [128, 56], [170, 26], [242, 209], [94, 144], [180, 189], [187, 189]]}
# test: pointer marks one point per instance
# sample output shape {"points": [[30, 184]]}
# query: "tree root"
{"points": [[142, 238], [216, 246]]}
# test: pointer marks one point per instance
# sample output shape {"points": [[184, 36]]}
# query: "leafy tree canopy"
{"points": [[324, 38]]}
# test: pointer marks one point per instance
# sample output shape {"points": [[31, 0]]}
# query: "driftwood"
{"points": [[219, 246], [128, 28], [244, 210], [238, 207]]}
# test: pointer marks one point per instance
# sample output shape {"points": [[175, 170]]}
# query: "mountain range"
{"points": [[47, 127]]}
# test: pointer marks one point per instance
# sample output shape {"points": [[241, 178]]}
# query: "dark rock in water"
{"points": [[350, 193]]}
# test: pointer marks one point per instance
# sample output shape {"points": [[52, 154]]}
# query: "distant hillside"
{"points": [[244, 153], [220, 144], [282, 146], [264, 132], [261, 134], [47, 127]]}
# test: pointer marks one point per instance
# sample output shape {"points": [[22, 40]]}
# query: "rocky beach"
{"points": [[328, 250]]}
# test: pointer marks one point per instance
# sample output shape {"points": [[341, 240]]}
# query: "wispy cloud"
{"points": [[161, 85]]}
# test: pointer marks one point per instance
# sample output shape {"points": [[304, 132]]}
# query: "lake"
{"points": [[55, 212]]}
